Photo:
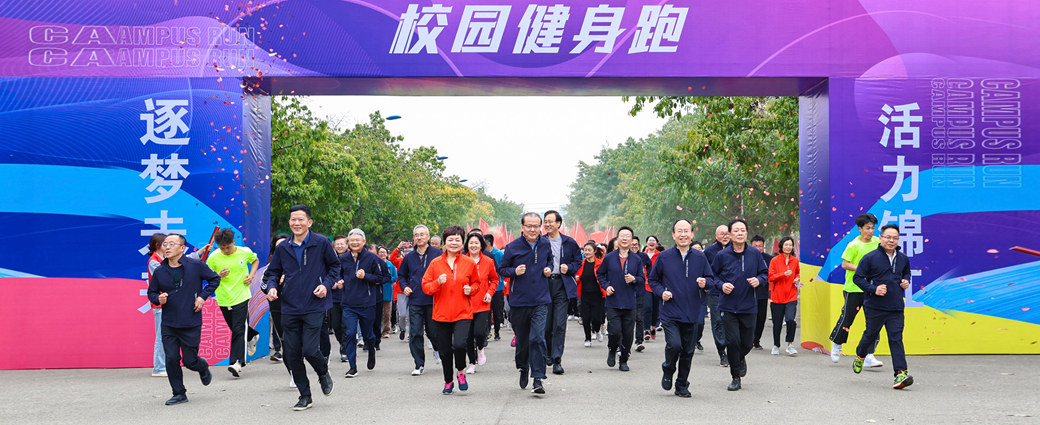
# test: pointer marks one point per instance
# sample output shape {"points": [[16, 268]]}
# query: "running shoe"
{"points": [[902, 380], [857, 365]]}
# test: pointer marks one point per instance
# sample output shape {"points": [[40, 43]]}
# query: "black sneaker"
{"points": [[758, 347], [352, 373], [304, 403], [743, 368], [205, 375], [735, 385], [611, 358], [623, 366], [700, 347], [497, 338], [557, 369], [666, 380], [276, 356], [640, 348], [723, 361], [523, 379], [326, 384], [538, 388], [177, 399], [682, 392], [401, 335], [371, 359]]}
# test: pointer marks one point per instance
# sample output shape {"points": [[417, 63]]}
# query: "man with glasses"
{"points": [[562, 287], [528, 262], [621, 276], [420, 305], [178, 285], [850, 258]]}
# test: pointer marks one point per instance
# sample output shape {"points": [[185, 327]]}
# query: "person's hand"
{"points": [[162, 298], [207, 247], [401, 245], [629, 278], [272, 295], [338, 284], [521, 269], [881, 290], [224, 272], [360, 274], [442, 279], [199, 302], [487, 298], [904, 284], [753, 281], [407, 292], [466, 289], [249, 279], [547, 271], [701, 282], [787, 273], [320, 291], [610, 291], [797, 282], [563, 269], [727, 287], [666, 295]]}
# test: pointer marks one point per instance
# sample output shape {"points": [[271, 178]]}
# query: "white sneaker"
{"points": [[588, 343], [292, 383], [235, 369], [791, 351], [776, 351], [471, 369], [360, 343], [481, 358], [159, 374], [599, 336], [835, 352], [437, 357], [871, 361], [418, 371], [252, 345], [429, 345]]}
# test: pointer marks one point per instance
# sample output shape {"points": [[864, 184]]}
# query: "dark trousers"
{"points": [[236, 317], [324, 344], [853, 304], [178, 344], [336, 323], [572, 306], [275, 307], [718, 332], [478, 334], [529, 327], [592, 313], [451, 338], [891, 320], [699, 330], [784, 313], [498, 310], [355, 318], [420, 319], [740, 328], [377, 325], [301, 342], [652, 313], [638, 313], [760, 320], [620, 325], [679, 347], [556, 321]]}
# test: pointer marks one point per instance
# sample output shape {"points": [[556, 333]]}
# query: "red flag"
{"points": [[484, 228], [599, 237], [579, 234]]}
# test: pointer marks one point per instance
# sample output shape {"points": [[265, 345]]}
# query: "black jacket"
{"points": [[875, 269], [182, 285]]}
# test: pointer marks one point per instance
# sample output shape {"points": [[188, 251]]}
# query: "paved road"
{"points": [[778, 389]]}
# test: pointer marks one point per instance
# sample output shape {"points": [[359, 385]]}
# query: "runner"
{"points": [[865, 243], [450, 280], [480, 299], [783, 289]]}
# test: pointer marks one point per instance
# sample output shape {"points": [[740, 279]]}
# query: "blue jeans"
{"points": [[158, 355], [357, 321]]}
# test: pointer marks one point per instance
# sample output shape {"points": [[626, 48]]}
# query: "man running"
{"points": [[865, 243], [528, 262], [236, 266], [562, 288]]}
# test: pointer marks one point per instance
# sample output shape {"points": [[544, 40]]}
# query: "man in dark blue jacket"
{"points": [[884, 276], [310, 266], [739, 269], [562, 287], [362, 277], [680, 278], [420, 305], [717, 332], [177, 285], [621, 276], [528, 262]]}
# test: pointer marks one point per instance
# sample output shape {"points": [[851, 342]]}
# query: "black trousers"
{"points": [[301, 342], [529, 327], [556, 322], [335, 318], [739, 328], [592, 313], [452, 343], [893, 322], [620, 325], [178, 344], [275, 308], [760, 320], [572, 307], [324, 343], [377, 323], [679, 347], [498, 310], [853, 304], [478, 334], [783, 313], [641, 296], [237, 317]]}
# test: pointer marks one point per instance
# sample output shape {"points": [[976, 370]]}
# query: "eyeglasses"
{"points": [[170, 244], [890, 238], [532, 227]]}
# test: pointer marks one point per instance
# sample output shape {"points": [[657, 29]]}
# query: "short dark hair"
{"points": [[889, 226], [610, 245], [633, 232], [179, 236], [274, 243], [471, 235], [677, 222], [530, 214], [785, 239], [559, 218], [865, 218], [735, 221], [757, 238], [489, 240], [301, 207], [453, 231], [155, 242], [698, 243], [635, 238], [338, 237], [224, 236], [655, 239]]}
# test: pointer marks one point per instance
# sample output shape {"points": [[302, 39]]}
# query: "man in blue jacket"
{"points": [[562, 287], [722, 240], [738, 269], [177, 286], [527, 262], [621, 276], [310, 266], [362, 276], [884, 276], [420, 305], [680, 278]]}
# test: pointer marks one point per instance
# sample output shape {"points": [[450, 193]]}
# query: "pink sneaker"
{"points": [[513, 344], [448, 387], [481, 358], [463, 386]]}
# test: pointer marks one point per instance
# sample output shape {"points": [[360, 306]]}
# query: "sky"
{"points": [[535, 142]]}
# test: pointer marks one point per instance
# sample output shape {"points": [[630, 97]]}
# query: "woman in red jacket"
{"points": [[480, 300], [783, 290], [450, 279], [592, 311]]}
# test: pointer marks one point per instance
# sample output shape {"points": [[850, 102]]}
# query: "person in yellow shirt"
{"points": [[237, 267], [866, 242]]}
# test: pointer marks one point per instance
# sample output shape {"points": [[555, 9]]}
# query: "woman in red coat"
{"points": [[592, 311], [480, 300], [783, 293], [450, 279]]}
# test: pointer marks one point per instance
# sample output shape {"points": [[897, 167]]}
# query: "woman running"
{"points": [[480, 300], [783, 289], [450, 279], [591, 293]]}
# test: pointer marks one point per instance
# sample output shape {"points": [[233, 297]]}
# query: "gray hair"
{"points": [[421, 226], [357, 231]]}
